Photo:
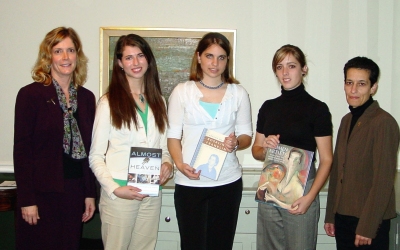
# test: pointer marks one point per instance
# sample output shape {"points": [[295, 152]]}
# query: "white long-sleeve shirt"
{"points": [[109, 153], [187, 118]]}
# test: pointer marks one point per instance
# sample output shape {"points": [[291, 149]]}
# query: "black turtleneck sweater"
{"points": [[297, 117], [357, 112]]}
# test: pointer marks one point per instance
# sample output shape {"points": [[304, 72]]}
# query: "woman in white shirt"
{"points": [[206, 209], [131, 114]]}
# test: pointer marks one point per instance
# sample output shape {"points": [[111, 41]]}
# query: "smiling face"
{"points": [[213, 61], [357, 87], [63, 59], [134, 63], [289, 72]]}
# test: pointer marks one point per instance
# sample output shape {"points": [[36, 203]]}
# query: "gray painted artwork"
{"points": [[173, 56]]}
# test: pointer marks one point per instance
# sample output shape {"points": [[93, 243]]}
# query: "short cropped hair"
{"points": [[364, 63]]}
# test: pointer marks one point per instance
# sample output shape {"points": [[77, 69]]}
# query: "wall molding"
{"points": [[6, 167]]}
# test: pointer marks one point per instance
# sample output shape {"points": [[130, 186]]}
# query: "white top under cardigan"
{"points": [[187, 118], [109, 153]]}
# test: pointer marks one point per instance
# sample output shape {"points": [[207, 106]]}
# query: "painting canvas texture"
{"points": [[284, 175]]}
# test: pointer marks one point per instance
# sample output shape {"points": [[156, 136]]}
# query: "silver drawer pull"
{"points": [[167, 219], [247, 211]]}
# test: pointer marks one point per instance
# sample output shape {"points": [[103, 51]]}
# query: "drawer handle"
{"points": [[247, 211], [167, 219]]}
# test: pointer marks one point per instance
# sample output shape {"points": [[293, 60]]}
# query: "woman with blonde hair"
{"points": [[52, 136], [297, 119]]}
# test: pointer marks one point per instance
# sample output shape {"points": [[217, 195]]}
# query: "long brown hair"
{"points": [[122, 105], [41, 69], [196, 73]]}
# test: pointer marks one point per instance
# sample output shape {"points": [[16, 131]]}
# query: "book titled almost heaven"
{"points": [[144, 169], [284, 175], [210, 154]]}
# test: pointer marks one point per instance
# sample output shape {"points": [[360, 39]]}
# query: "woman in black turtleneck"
{"points": [[296, 119]]}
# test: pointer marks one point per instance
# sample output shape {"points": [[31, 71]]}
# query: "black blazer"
{"points": [[38, 141]]}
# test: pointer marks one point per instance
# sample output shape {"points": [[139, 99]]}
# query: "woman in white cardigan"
{"points": [[131, 114]]}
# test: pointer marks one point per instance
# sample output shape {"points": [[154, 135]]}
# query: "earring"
{"points": [[122, 69]]}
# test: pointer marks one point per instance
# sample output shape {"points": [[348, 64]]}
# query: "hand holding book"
{"points": [[129, 193], [284, 176], [166, 172], [231, 143], [211, 151]]}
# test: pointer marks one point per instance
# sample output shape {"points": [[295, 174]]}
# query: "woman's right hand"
{"points": [[30, 214], [271, 141], [189, 172], [129, 193]]}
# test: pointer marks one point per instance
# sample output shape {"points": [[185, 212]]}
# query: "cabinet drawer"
{"points": [[168, 221], [168, 241], [247, 220]]}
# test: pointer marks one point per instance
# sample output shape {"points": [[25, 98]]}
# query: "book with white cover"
{"points": [[144, 169], [210, 154]]}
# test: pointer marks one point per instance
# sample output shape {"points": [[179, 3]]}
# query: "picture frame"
{"points": [[173, 49]]}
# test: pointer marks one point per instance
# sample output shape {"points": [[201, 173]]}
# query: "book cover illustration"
{"points": [[210, 154], [144, 169], [284, 175]]}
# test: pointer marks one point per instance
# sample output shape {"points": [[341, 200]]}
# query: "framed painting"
{"points": [[172, 48]]}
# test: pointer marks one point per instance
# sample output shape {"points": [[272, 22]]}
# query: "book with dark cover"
{"points": [[284, 175], [210, 154], [144, 169]]}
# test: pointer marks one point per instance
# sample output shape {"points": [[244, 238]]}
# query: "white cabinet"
{"points": [[324, 242], [245, 238], [168, 232]]}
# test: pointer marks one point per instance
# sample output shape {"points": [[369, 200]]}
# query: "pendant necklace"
{"points": [[210, 87], [141, 98]]}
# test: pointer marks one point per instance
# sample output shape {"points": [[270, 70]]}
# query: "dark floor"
{"points": [[91, 244]]}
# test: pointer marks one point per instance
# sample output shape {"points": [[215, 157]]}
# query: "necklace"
{"points": [[210, 87], [141, 98]]}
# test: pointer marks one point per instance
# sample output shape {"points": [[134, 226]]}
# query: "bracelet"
{"points": [[237, 145]]}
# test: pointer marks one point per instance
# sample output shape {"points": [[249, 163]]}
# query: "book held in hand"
{"points": [[210, 154], [284, 175], [144, 169]]}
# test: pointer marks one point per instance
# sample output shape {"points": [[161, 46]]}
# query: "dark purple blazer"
{"points": [[38, 141]]}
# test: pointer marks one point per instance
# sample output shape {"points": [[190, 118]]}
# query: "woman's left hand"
{"points": [[166, 170], [301, 205], [89, 209], [230, 142]]}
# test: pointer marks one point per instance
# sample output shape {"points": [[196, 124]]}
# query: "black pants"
{"points": [[207, 216], [345, 231]]}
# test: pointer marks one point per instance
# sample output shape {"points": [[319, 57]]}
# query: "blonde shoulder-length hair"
{"points": [[41, 71]]}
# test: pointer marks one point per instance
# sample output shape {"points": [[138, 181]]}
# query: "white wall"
{"points": [[330, 32]]}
